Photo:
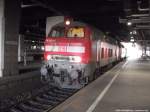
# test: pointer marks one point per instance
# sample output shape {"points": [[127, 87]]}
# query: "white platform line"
{"points": [[101, 95]]}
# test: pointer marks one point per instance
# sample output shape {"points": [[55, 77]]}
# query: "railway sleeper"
{"points": [[53, 97], [15, 110], [66, 90], [38, 105], [57, 94], [61, 95], [63, 92], [46, 101], [27, 108]]}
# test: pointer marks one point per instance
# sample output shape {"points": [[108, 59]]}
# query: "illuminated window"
{"points": [[75, 32]]}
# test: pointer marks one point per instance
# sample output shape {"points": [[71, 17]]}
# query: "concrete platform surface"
{"points": [[125, 88]]}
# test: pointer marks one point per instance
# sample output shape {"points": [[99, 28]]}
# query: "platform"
{"points": [[125, 88]]}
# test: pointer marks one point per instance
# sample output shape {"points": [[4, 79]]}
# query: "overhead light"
{"points": [[134, 32], [131, 33], [32, 5], [132, 40], [34, 47], [131, 37], [129, 23]]}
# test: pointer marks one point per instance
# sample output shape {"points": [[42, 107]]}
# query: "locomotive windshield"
{"points": [[75, 32], [57, 32], [70, 32]]}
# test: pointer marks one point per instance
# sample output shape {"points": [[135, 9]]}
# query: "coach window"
{"points": [[115, 53], [106, 53], [102, 53], [111, 53]]}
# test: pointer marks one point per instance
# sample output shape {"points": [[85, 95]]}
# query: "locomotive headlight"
{"points": [[77, 59], [42, 48], [49, 57]]}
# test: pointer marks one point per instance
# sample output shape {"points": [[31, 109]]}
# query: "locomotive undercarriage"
{"points": [[67, 74]]}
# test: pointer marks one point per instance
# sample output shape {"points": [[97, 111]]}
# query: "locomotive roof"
{"points": [[74, 23], [80, 24]]}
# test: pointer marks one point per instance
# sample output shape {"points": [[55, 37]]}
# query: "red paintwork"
{"points": [[86, 41], [63, 41]]}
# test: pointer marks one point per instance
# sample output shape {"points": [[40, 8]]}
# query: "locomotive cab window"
{"points": [[75, 32], [57, 32]]}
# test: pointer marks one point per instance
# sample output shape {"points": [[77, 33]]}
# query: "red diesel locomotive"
{"points": [[74, 51]]}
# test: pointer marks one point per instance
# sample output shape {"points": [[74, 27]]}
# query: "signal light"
{"points": [[129, 23]]}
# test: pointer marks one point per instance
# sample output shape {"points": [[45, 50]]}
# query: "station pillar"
{"points": [[9, 32]]}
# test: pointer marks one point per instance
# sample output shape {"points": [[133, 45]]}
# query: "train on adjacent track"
{"points": [[75, 51]]}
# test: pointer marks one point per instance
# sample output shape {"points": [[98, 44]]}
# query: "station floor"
{"points": [[124, 88]]}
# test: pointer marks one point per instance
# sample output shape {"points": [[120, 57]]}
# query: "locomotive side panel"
{"points": [[104, 54], [111, 57], [109, 53]]}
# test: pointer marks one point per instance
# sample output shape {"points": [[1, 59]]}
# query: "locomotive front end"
{"points": [[67, 53]]}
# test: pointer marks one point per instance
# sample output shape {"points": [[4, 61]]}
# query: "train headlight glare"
{"points": [[48, 57], [77, 59]]}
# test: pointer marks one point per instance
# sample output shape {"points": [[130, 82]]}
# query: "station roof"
{"points": [[111, 16]]}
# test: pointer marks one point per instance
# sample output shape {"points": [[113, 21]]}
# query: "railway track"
{"points": [[43, 102], [40, 100]]}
